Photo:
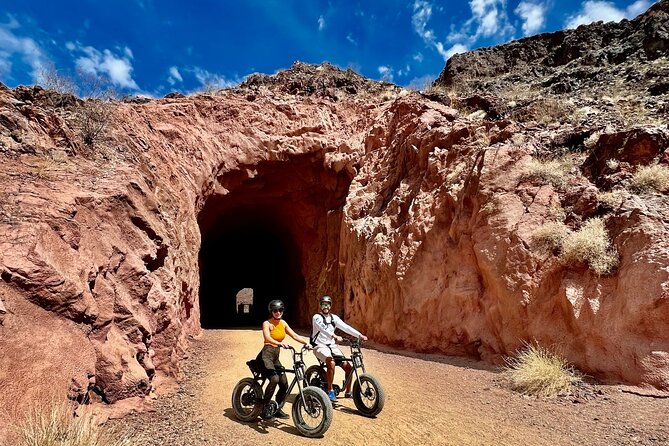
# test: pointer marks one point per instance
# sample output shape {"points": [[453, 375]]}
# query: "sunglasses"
{"points": [[278, 310], [325, 305]]}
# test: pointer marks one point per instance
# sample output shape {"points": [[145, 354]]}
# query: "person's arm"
{"points": [[294, 335], [268, 337], [343, 326]]}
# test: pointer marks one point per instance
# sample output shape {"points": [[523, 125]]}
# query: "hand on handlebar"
{"points": [[363, 337], [338, 338], [284, 345]]}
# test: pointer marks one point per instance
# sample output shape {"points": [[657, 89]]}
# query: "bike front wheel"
{"points": [[368, 395], [247, 399], [313, 413]]}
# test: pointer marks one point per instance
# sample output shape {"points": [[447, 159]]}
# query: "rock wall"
{"points": [[439, 252], [414, 210]]}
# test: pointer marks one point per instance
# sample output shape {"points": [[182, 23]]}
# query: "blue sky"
{"points": [[153, 47]]}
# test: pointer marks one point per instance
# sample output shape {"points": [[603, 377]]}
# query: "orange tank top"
{"points": [[277, 332]]}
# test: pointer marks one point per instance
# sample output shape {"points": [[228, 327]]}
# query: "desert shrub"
{"points": [[54, 425], [612, 199], [552, 171], [546, 111], [648, 178], [537, 371], [550, 235], [591, 245], [93, 118]]}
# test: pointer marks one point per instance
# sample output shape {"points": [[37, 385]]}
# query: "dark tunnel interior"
{"points": [[246, 247]]}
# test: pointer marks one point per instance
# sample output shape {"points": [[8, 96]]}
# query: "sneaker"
{"points": [[267, 412], [281, 414], [332, 395], [348, 395]]}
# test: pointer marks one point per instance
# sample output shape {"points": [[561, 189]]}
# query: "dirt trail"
{"points": [[430, 400]]}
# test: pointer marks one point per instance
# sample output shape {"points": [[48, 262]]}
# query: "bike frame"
{"points": [[297, 371], [356, 361]]}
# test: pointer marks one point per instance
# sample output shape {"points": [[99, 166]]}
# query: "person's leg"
{"points": [[330, 364], [269, 356], [347, 372], [281, 395], [283, 388]]}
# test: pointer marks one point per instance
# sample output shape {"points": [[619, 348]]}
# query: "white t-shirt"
{"points": [[325, 327]]}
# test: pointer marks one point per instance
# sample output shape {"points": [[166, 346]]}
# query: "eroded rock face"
{"points": [[414, 212]]}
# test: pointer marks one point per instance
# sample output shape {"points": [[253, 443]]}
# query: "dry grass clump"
{"points": [[612, 199], [546, 111], [537, 371], [648, 178], [590, 244], [54, 425], [550, 235], [551, 171]]}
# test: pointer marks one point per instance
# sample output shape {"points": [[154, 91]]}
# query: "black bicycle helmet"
{"points": [[275, 304], [325, 300]]}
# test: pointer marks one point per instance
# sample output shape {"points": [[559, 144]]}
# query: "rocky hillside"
{"points": [[602, 73], [460, 222]]}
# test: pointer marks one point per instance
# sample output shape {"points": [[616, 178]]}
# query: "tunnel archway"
{"points": [[273, 227], [252, 248]]}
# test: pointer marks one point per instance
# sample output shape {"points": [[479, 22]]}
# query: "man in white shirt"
{"points": [[323, 336]]}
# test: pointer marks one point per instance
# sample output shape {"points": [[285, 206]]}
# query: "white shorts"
{"points": [[323, 352]]}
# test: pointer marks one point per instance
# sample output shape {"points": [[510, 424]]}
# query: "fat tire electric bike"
{"points": [[312, 409], [368, 394]]}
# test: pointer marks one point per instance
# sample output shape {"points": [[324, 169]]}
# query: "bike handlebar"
{"points": [[302, 350], [356, 342]]}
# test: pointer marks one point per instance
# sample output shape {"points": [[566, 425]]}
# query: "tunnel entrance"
{"points": [[247, 248], [273, 228]]}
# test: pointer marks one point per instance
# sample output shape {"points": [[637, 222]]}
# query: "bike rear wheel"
{"points": [[368, 395], [315, 376], [313, 414], [247, 399]]}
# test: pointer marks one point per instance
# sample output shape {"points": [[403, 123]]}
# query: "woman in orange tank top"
{"points": [[274, 332]]}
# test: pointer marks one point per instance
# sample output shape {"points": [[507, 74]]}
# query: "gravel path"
{"points": [[430, 400]]}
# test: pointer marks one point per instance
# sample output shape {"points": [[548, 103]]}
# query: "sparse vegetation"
{"points": [[649, 178], [550, 235], [93, 118], [95, 112], [552, 171], [537, 371], [546, 111], [591, 245], [612, 199], [55, 425]]}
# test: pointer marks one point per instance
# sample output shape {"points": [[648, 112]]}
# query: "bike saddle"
{"points": [[255, 366]]}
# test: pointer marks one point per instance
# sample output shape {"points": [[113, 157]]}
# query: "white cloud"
{"points": [[458, 48], [386, 73], [422, 11], [533, 14], [350, 38], [418, 57], [25, 47], [490, 19], [105, 63], [209, 79], [637, 8], [174, 76], [593, 11], [321, 23]]}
